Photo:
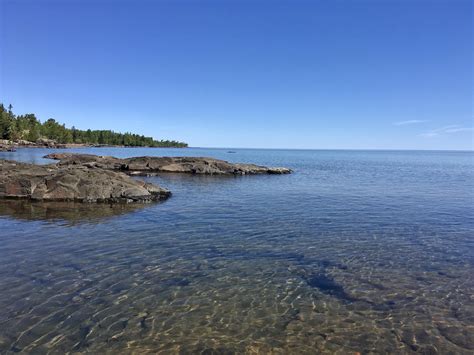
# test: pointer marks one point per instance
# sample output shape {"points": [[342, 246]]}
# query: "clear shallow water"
{"points": [[356, 251]]}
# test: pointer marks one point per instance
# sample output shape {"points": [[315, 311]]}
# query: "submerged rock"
{"points": [[150, 165], [73, 183]]}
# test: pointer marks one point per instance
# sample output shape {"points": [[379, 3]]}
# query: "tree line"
{"points": [[28, 127]]}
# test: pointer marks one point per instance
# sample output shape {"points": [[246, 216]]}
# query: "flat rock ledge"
{"points": [[153, 165], [78, 183]]}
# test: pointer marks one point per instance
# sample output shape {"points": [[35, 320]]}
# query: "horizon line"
{"points": [[321, 149]]}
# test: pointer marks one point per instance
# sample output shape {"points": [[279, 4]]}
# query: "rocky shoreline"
{"points": [[92, 178], [75, 183], [148, 166], [11, 146]]}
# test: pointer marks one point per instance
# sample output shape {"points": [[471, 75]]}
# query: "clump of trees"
{"points": [[28, 127]]}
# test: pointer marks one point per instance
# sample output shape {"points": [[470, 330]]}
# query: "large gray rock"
{"points": [[73, 183], [151, 165]]}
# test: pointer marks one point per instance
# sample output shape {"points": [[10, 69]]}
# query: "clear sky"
{"points": [[391, 74]]}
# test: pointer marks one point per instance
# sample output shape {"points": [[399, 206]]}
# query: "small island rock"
{"points": [[152, 165]]}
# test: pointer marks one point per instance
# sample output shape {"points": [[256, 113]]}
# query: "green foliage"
{"points": [[28, 127]]}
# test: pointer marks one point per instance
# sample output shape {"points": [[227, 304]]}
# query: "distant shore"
{"points": [[10, 146]]}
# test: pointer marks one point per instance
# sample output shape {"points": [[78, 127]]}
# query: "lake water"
{"points": [[356, 251]]}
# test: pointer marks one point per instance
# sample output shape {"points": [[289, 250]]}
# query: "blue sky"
{"points": [[392, 74]]}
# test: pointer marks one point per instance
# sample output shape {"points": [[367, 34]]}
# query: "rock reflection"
{"points": [[71, 213]]}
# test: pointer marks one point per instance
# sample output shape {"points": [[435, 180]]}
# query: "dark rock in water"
{"points": [[152, 165], [328, 286], [73, 183], [176, 281]]}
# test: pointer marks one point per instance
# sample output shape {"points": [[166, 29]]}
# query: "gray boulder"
{"points": [[73, 183]]}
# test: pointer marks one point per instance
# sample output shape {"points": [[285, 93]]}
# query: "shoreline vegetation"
{"points": [[28, 131]]}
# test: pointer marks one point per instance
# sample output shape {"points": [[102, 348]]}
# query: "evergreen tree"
{"points": [[28, 127]]}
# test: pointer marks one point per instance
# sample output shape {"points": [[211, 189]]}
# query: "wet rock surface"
{"points": [[79, 183], [153, 165]]}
